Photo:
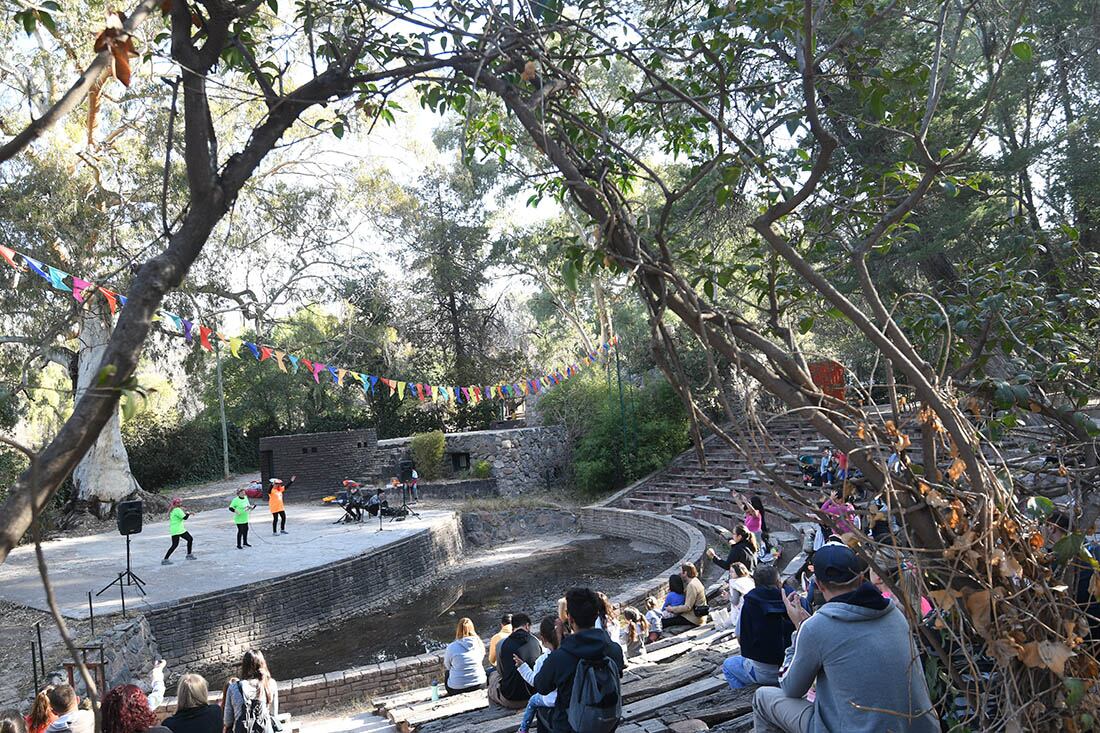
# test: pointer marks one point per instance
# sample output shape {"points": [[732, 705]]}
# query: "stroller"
{"points": [[807, 465]]}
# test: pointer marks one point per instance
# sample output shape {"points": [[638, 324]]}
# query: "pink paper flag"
{"points": [[79, 286]]}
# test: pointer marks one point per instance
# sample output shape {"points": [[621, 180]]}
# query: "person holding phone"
{"points": [[853, 695]]}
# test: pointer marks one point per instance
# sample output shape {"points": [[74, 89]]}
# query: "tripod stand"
{"points": [[405, 509], [127, 578]]}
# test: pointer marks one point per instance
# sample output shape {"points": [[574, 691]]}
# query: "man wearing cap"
{"points": [[275, 504], [859, 654]]}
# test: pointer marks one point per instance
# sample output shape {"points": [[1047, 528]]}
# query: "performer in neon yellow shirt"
{"points": [[176, 518], [241, 508]]}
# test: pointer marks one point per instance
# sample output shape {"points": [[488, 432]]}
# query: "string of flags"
{"points": [[82, 290]]}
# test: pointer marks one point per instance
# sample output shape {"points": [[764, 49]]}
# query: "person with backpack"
{"points": [[252, 702], [585, 672]]}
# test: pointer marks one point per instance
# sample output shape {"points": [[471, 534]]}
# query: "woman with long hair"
{"points": [[125, 709], [12, 724], [608, 619], [743, 549], [256, 683], [41, 714], [462, 660], [740, 584], [194, 713], [634, 633]]}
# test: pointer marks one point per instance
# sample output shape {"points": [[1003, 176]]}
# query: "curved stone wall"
{"points": [[221, 626]]}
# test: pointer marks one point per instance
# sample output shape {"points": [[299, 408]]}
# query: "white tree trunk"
{"points": [[104, 473]]}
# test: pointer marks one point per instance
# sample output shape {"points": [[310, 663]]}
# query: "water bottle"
{"points": [[435, 691]]}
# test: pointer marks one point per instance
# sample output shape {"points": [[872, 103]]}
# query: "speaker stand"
{"points": [[127, 578]]}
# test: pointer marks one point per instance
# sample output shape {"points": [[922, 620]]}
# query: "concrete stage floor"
{"points": [[81, 564]]}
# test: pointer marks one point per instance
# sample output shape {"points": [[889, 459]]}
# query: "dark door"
{"points": [[267, 469]]}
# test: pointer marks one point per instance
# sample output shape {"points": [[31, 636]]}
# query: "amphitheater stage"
{"points": [[78, 565]]}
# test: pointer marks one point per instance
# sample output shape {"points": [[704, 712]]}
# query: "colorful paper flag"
{"points": [[79, 286], [318, 367], [112, 299], [9, 254], [36, 267], [254, 349], [235, 347], [204, 337], [265, 353], [279, 356], [57, 278], [293, 362]]}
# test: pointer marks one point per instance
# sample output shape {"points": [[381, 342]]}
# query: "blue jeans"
{"points": [[741, 672], [536, 701]]}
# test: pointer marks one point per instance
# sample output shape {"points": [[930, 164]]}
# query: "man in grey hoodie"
{"points": [[70, 718], [858, 652]]}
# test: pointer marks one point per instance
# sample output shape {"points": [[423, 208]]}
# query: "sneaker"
{"points": [[273, 532], [239, 547], [247, 545], [283, 531], [165, 561], [191, 557]]}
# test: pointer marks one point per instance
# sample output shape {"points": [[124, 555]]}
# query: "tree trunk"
{"points": [[103, 476]]}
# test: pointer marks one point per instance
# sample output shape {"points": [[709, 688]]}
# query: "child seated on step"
{"points": [[653, 618], [548, 635], [633, 634]]}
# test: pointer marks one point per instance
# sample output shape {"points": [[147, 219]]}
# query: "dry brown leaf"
{"points": [[1034, 406], [861, 432], [980, 608], [891, 429], [955, 470], [1005, 651], [530, 70], [944, 599], [1062, 471], [903, 442], [935, 498], [1036, 541], [1052, 655], [1094, 586], [1007, 564]]}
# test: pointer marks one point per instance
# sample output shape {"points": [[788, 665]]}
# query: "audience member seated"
{"points": [[156, 685], [740, 583], [255, 683], [635, 629], [694, 609], [462, 660], [12, 723], [194, 714], [548, 634], [858, 653], [507, 688], [764, 631], [675, 595], [70, 718], [125, 709], [743, 549], [653, 618], [608, 618], [494, 642], [587, 643], [377, 503], [40, 716]]}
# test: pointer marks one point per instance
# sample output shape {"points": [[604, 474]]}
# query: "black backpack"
{"points": [[254, 716], [596, 703]]}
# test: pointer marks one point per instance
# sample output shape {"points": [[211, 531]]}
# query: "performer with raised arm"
{"points": [[275, 504]]}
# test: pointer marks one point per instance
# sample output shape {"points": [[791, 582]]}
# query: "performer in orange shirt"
{"points": [[275, 504]]}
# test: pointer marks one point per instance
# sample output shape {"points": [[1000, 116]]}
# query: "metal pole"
{"points": [[41, 658], [221, 407], [34, 664], [622, 403], [122, 592], [91, 613]]}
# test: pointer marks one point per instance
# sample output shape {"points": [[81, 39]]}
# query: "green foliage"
{"points": [[612, 447], [427, 452], [481, 469], [165, 453]]}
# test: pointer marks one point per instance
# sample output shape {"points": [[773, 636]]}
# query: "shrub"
{"points": [[482, 469], [427, 453]]}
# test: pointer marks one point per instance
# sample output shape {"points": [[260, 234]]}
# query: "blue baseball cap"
{"points": [[836, 564]]}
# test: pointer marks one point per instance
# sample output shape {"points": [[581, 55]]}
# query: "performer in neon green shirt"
{"points": [[240, 508], [176, 518]]}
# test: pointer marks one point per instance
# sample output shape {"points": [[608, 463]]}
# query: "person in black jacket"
{"points": [[743, 549], [586, 642], [507, 688], [764, 631], [193, 713]]}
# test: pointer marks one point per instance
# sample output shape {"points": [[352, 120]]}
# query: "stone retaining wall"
{"points": [[520, 457], [217, 628], [307, 694], [493, 528]]}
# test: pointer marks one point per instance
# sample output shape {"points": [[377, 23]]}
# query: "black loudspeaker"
{"points": [[129, 517], [405, 470]]}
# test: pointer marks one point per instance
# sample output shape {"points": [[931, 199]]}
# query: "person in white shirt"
{"points": [[653, 618], [548, 635]]}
